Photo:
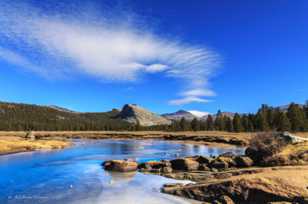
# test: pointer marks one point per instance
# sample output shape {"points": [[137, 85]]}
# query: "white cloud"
{"points": [[103, 49], [156, 68], [187, 100], [16, 59], [199, 92]]}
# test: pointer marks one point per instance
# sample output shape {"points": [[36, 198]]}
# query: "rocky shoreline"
{"points": [[262, 175]]}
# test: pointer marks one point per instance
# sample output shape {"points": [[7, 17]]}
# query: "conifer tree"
{"points": [[203, 124], [270, 117], [237, 124], [219, 121], [184, 125], [245, 122], [306, 115], [283, 122], [261, 122], [297, 117], [210, 123], [229, 124], [262, 119], [306, 110], [195, 124]]}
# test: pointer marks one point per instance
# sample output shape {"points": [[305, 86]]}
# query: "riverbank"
{"points": [[15, 144], [200, 137], [17, 141]]}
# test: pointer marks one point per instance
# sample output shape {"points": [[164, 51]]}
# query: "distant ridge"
{"points": [[62, 109], [179, 115]]}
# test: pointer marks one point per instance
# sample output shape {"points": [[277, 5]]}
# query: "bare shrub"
{"points": [[265, 145]]}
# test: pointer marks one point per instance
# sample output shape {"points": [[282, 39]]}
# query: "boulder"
{"points": [[218, 164], [144, 166], [228, 154], [184, 164], [223, 162], [225, 200], [204, 167], [120, 165], [154, 166], [166, 170], [254, 154], [204, 160], [243, 161]]}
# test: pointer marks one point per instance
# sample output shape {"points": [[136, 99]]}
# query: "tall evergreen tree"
{"points": [[245, 122], [195, 124], [219, 121], [210, 123], [306, 115], [237, 123], [229, 124], [297, 117], [184, 125], [262, 119], [306, 110], [283, 122]]}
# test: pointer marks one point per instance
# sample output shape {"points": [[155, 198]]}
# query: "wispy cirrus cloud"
{"points": [[187, 100], [105, 49]]}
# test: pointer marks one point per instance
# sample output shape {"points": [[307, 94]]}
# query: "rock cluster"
{"points": [[197, 163]]}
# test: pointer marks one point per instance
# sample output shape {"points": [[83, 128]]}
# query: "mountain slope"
{"points": [[14, 116], [179, 115], [135, 114]]}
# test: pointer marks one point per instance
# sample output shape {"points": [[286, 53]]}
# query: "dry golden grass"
{"points": [[208, 136], [294, 149], [302, 134], [141, 133], [11, 144]]}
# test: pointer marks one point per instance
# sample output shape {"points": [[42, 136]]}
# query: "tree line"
{"points": [[294, 118], [20, 117], [24, 117]]}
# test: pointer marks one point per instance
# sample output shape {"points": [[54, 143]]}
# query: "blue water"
{"points": [[74, 175]]}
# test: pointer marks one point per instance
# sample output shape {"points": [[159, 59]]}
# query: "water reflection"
{"points": [[75, 175], [120, 178]]}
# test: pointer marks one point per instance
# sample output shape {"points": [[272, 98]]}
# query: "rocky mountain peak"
{"points": [[133, 113]]}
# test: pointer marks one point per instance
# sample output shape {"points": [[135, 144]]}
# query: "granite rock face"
{"points": [[135, 114]]}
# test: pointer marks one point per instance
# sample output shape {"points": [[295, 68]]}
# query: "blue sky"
{"points": [[163, 55]]}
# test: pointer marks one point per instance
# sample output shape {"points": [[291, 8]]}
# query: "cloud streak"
{"points": [[103, 49]]}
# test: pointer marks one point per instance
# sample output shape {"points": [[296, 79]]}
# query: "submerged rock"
{"points": [[120, 165]]}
